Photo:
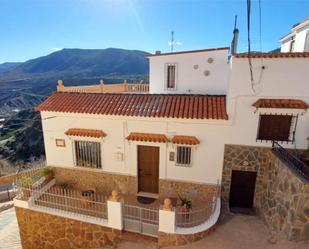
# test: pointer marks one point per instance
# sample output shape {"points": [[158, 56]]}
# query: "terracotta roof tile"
{"points": [[281, 103], [85, 132], [147, 137], [273, 55], [141, 105], [189, 140]]}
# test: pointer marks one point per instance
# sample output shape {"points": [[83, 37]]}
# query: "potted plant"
{"points": [[185, 204]]}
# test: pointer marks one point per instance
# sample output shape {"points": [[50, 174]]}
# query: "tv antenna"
{"points": [[172, 41]]}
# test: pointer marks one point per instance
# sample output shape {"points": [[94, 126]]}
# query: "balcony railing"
{"points": [[45, 194], [103, 88], [291, 160], [197, 216]]}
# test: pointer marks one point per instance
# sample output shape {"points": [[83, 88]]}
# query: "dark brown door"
{"points": [[148, 169], [242, 189]]}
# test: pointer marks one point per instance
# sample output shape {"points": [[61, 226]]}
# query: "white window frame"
{"points": [[166, 74], [91, 141], [191, 156]]}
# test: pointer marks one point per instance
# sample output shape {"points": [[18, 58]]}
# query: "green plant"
{"points": [[26, 181], [185, 202]]}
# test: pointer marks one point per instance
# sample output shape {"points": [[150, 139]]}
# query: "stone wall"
{"points": [[166, 239], [281, 197], [198, 193], [43, 231], [285, 201], [103, 182], [245, 158]]}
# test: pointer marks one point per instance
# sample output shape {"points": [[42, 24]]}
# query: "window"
{"points": [[183, 156], [275, 128], [306, 49], [171, 76], [88, 154]]}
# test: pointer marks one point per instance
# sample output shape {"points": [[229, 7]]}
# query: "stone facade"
{"points": [[198, 193], [44, 231], [285, 201], [281, 197], [245, 158], [166, 239], [103, 182]]}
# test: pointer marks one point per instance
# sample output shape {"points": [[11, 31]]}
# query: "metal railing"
{"points": [[141, 220], [197, 216], [291, 161], [62, 199]]}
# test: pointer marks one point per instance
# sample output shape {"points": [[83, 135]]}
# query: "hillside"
{"points": [[81, 63], [7, 66]]}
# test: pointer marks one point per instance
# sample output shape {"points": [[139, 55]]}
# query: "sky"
{"points": [[33, 28]]}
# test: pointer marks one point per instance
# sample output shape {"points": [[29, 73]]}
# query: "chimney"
{"points": [[158, 52], [235, 38]]}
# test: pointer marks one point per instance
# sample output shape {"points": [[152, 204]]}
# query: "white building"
{"points": [[298, 39], [208, 120]]}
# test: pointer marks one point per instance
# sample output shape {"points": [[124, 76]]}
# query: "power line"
{"points": [[260, 24], [249, 44]]}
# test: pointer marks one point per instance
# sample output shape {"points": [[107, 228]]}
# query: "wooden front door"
{"points": [[148, 169], [242, 189]]}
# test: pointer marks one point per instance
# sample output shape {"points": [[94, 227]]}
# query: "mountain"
{"points": [[7, 66], [81, 63]]}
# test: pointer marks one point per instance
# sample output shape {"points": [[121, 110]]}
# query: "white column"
{"points": [[167, 221], [114, 211]]}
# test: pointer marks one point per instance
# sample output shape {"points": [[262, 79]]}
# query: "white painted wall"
{"points": [[188, 79], [207, 157], [299, 33], [282, 78]]}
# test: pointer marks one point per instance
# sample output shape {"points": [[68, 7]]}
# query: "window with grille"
{"points": [[184, 157], [276, 128], [170, 76], [88, 154]]}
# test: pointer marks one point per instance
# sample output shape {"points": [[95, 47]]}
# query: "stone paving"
{"points": [[9, 234]]}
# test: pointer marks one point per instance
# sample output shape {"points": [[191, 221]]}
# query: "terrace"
{"points": [[124, 87], [40, 191]]}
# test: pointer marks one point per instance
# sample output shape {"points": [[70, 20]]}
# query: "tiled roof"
{"points": [[139, 105], [189, 51], [189, 140], [147, 137], [280, 103], [85, 132], [273, 55]]}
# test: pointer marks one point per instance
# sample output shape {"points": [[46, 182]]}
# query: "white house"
{"points": [[298, 39], [208, 120]]}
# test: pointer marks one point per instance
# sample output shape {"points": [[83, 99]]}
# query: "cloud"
{"points": [[56, 49], [179, 43]]}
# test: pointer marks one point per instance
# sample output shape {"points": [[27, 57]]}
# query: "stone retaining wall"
{"points": [[281, 197], [285, 201], [44, 231], [166, 239]]}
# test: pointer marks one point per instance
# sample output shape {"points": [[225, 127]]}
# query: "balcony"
{"points": [[38, 190], [103, 88]]}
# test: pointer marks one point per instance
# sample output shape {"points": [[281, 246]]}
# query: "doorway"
{"points": [[148, 169], [242, 190]]}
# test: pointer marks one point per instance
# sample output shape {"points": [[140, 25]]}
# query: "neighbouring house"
{"points": [[298, 39], [209, 128]]}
